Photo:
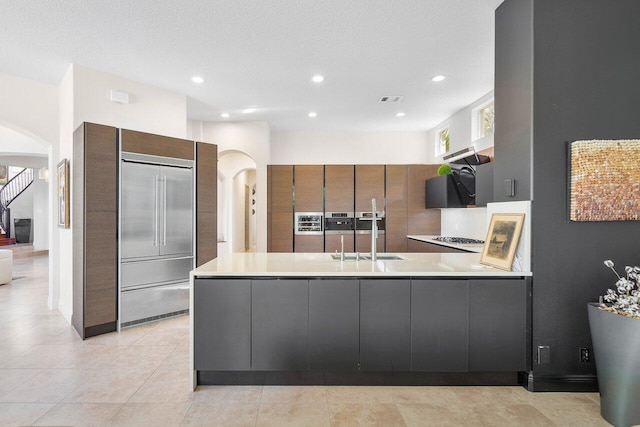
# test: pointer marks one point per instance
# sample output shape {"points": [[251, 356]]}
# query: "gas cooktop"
{"points": [[462, 240]]}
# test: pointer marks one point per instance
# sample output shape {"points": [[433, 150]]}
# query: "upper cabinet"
{"points": [[338, 187], [369, 184], [513, 139], [280, 208], [309, 183]]}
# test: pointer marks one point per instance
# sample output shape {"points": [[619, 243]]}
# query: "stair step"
{"points": [[4, 240]]}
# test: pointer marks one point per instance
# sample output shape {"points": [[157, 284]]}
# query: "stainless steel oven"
{"points": [[309, 223], [364, 221], [338, 223]]}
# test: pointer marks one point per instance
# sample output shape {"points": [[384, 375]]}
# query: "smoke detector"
{"points": [[391, 98]]}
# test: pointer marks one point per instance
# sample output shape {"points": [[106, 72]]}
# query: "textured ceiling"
{"points": [[264, 52]]}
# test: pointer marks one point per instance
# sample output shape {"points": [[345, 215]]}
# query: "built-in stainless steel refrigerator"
{"points": [[156, 237]]}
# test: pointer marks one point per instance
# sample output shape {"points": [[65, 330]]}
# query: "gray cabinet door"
{"points": [[385, 325], [440, 325], [280, 325], [498, 325], [334, 324], [222, 320]]}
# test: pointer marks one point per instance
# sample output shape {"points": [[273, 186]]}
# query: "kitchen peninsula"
{"points": [[305, 318]]}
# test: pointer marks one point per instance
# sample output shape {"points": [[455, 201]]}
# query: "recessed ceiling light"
{"points": [[197, 79], [313, 114], [224, 115], [438, 78], [400, 114], [317, 78], [249, 110]]}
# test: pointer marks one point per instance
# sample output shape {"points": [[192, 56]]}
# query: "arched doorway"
{"points": [[20, 148], [236, 202]]}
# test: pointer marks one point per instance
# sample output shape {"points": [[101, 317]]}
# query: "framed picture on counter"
{"points": [[63, 194], [502, 240]]}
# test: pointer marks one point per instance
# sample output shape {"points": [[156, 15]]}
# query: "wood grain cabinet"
{"points": [[369, 184], [396, 208], [206, 202], [308, 197], [339, 197], [94, 222], [421, 221], [280, 208]]}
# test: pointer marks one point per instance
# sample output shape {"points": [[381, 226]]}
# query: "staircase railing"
{"points": [[9, 192]]}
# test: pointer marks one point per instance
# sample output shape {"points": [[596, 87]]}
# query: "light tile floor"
{"points": [[139, 377]]}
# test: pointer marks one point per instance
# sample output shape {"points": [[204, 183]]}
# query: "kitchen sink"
{"points": [[365, 257], [384, 257]]}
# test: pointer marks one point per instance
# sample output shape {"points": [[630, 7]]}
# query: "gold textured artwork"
{"points": [[605, 180]]}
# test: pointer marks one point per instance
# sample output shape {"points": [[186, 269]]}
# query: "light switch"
{"points": [[509, 187]]}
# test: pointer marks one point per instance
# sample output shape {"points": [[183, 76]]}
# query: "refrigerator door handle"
{"points": [[155, 208], [164, 212]]}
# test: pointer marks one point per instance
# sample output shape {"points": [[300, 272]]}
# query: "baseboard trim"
{"points": [[562, 383], [356, 378], [92, 331]]}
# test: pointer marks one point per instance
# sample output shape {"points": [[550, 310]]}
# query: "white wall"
{"points": [[15, 142], [522, 260], [40, 228], [464, 222], [253, 139], [231, 164], [305, 147], [238, 222], [460, 132], [246, 178], [150, 109]]}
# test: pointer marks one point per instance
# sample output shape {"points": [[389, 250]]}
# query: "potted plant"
{"points": [[615, 331]]}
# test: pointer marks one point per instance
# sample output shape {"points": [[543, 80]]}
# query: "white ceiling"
{"points": [[264, 52]]}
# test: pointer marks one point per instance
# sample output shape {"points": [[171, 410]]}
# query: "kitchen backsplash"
{"points": [[464, 222]]}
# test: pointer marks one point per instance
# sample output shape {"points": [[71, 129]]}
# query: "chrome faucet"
{"points": [[374, 230]]}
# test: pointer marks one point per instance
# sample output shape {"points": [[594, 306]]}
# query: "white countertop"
{"points": [[321, 265], [470, 247]]}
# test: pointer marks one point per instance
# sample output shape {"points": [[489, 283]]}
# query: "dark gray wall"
{"points": [[586, 85]]}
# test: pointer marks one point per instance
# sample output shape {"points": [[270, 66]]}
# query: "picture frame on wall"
{"points": [[4, 175], [63, 194], [502, 240]]}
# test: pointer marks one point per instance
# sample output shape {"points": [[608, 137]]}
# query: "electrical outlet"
{"points": [[544, 355], [585, 355]]}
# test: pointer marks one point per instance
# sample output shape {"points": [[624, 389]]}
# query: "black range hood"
{"points": [[466, 156]]}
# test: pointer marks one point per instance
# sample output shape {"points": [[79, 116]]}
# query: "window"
{"points": [[484, 120], [442, 141]]}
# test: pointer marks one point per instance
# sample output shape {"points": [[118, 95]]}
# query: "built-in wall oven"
{"points": [[308, 223], [338, 223], [364, 221]]}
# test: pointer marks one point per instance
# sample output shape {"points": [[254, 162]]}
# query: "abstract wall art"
{"points": [[604, 181]]}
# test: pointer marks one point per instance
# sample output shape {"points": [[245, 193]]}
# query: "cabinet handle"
{"points": [[164, 216], [155, 210]]}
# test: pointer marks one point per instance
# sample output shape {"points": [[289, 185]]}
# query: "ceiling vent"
{"points": [[389, 98]]}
